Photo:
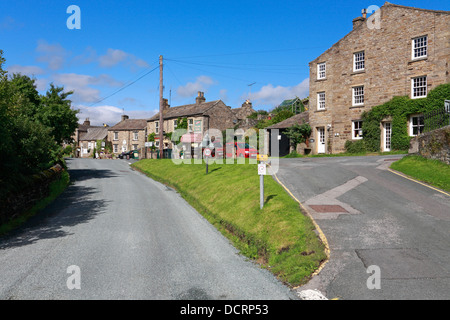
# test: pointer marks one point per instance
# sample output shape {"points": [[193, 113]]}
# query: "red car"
{"points": [[241, 149]]}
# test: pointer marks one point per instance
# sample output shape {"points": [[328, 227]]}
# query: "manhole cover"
{"points": [[324, 208]]}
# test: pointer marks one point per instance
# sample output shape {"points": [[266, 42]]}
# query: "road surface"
{"points": [[117, 234], [389, 237]]}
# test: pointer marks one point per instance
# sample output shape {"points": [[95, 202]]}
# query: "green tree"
{"points": [[298, 133], [56, 113]]}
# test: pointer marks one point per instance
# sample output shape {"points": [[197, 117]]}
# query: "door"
{"points": [[387, 136], [321, 140]]}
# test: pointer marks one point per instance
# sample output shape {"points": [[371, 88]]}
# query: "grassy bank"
{"points": [[279, 236], [56, 188], [433, 172]]}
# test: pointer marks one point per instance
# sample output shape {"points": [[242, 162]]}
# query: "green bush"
{"points": [[357, 146]]}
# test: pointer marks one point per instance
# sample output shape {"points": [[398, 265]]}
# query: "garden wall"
{"points": [[433, 145], [16, 203]]}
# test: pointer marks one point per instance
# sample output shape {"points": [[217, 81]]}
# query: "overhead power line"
{"points": [[125, 86]]}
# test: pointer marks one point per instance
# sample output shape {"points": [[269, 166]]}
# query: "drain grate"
{"points": [[325, 208]]}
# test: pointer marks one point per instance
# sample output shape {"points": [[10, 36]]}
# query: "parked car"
{"points": [[241, 150], [126, 155]]}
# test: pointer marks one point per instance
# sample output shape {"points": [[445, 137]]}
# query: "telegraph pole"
{"points": [[161, 108]]}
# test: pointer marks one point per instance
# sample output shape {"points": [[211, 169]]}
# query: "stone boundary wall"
{"points": [[17, 203], [433, 145]]}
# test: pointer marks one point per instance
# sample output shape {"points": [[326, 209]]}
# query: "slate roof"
{"points": [[129, 124], [94, 133], [186, 110], [297, 119]]}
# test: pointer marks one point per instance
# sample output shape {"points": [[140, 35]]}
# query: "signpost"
{"points": [[207, 154], [262, 171]]}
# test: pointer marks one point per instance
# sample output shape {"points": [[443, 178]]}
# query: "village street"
{"points": [[373, 217], [116, 234]]}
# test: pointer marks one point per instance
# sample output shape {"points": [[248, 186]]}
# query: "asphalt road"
{"points": [[373, 217], [116, 234]]}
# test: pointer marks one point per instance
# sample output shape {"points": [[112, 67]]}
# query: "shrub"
{"points": [[357, 146]]}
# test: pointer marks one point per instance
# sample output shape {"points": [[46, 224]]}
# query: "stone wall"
{"points": [[434, 144], [17, 203], [389, 68]]}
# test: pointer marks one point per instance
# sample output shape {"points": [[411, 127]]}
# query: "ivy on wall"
{"points": [[398, 110]]}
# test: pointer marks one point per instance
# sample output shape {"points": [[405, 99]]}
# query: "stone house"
{"points": [[397, 51], [201, 116], [128, 135], [84, 136], [88, 141]]}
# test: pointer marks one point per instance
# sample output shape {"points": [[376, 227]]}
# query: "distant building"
{"points": [[128, 135], [201, 116], [85, 138]]}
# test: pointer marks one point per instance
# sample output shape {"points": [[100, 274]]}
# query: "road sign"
{"points": [[207, 152], [262, 157], [262, 169]]}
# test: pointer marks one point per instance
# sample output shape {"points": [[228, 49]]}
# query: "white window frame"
{"points": [[190, 125], [115, 148], [156, 126], [135, 135], [321, 98], [135, 146], [175, 124], [116, 135], [359, 59], [420, 125], [357, 96], [321, 74], [416, 86], [419, 47], [357, 133]]}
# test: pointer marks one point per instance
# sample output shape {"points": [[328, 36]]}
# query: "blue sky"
{"points": [[231, 50]]}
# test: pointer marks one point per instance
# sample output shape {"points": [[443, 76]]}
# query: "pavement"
{"points": [[116, 234], [388, 236]]}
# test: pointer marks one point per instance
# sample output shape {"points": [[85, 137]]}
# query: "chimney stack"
{"points": [[200, 98], [166, 104], [247, 104], [360, 20], [87, 122], [124, 117]]}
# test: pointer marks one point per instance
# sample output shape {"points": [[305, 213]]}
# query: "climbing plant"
{"points": [[398, 109]]}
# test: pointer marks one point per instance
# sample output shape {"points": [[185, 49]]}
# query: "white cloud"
{"points": [[26, 70], [52, 54], [80, 84], [109, 114], [273, 96], [191, 88], [115, 56]]}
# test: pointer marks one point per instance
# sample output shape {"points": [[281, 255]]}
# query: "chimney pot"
{"points": [[200, 98], [124, 117]]}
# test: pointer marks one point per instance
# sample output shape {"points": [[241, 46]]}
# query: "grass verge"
{"points": [[279, 236], [433, 172], [345, 154], [56, 188]]}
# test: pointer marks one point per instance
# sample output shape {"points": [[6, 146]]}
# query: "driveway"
{"points": [[389, 237]]}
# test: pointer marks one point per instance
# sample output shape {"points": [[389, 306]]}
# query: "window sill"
{"points": [[357, 106], [319, 80], [358, 72], [321, 110], [417, 59]]}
